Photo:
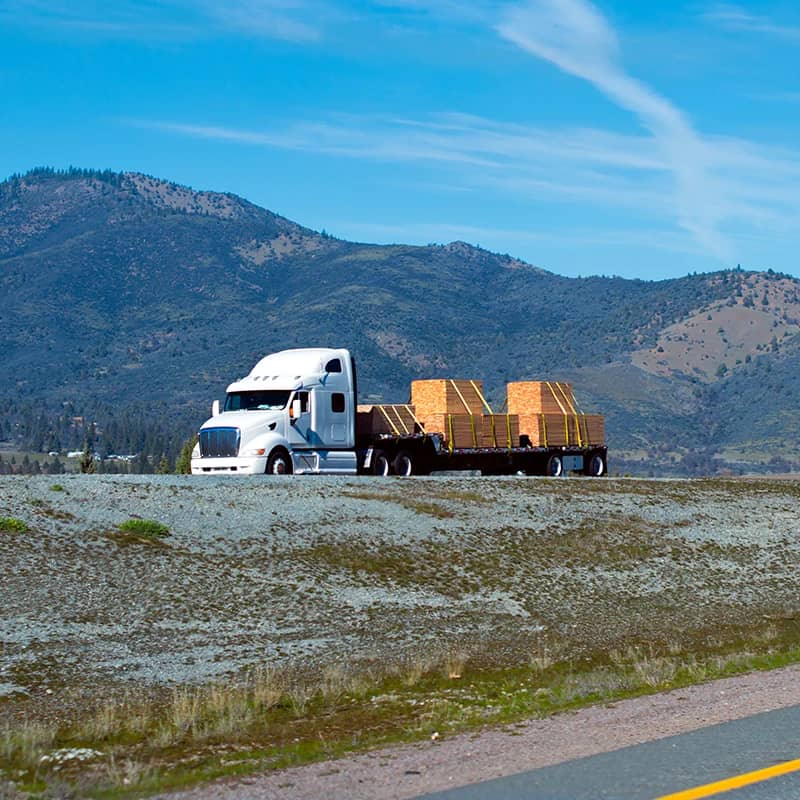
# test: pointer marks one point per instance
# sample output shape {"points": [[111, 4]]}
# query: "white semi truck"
{"points": [[296, 413]]}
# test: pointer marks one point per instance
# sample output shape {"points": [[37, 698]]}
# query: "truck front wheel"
{"points": [[279, 462]]}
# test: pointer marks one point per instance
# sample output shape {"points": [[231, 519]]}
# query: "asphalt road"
{"points": [[665, 767]]}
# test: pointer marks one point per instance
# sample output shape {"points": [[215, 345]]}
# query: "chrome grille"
{"points": [[219, 442]]}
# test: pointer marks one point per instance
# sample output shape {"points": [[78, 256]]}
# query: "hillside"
{"points": [[128, 295], [169, 627]]}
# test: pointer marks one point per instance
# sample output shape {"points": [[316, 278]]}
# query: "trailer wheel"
{"points": [[555, 466], [597, 466], [380, 463], [279, 462], [403, 465]]}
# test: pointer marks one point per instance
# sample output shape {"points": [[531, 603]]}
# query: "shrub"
{"points": [[13, 525], [145, 527], [57, 487]]}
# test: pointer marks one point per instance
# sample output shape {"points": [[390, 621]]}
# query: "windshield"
{"points": [[267, 400]]}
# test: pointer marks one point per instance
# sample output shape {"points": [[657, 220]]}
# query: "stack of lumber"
{"points": [[549, 417], [475, 430], [394, 419], [455, 409], [541, 397], [443, 396], [557, 430]]}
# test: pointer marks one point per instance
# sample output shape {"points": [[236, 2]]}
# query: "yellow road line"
{"points": [[736, 782]]}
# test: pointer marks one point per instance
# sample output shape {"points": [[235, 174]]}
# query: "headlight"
{"points": [[256, 451]]}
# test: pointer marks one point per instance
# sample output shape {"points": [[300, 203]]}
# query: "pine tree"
{"points": [[183, 464], [88, 466]]}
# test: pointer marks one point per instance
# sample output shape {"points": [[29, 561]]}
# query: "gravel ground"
{"points": [[405, 772], [313, 571]]}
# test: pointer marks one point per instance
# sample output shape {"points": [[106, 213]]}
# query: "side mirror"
{"points": [[215, 408], [295, 410]]}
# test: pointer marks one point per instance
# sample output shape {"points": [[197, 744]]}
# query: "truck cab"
{"points": [[294, 412]]}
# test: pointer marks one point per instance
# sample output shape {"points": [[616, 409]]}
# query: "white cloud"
{"points": [[273, 19], [735, 183], [713, 189], [734, 18], [593, 165], [572, 35], [174, 20]]}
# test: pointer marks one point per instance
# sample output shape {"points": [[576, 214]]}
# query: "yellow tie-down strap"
{"points": [[581, 433], [570, 408], [389, 420], [460, 396], [416, 421], [482, 398], [509, 438]]}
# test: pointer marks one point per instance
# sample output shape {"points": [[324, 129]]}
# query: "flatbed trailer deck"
{"points": [[421, 454]]}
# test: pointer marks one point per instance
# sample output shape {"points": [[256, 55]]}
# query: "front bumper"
{"points": [[256, 465]]}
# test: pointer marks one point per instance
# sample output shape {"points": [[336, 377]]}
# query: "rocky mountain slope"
{"points": [[124, 291]]}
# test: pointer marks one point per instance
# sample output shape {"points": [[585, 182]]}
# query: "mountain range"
{"points": [[126, 292]]}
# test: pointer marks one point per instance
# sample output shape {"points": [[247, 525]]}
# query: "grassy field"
{"points": [[162, 631]]}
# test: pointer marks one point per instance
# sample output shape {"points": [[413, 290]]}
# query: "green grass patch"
{"points": [[145, 527], [140, 531], [13, 525]]}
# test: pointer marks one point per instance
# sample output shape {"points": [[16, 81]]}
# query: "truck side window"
{"points": [[303, 402], [337, 402], [334, 365]]}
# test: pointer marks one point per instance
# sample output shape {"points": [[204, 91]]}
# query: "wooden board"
{"points": [[500, 430], [541, 397], [596, 428], [475, 430], [445, 396], [386, 418], [558, 430]]}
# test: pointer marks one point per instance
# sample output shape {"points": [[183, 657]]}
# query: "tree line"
{"points": [[127, 440]]}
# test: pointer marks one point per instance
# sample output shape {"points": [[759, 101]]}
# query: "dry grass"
{"points": [[123, 773], [543, 656], [273, 718], [25, 744], [454, 663]]}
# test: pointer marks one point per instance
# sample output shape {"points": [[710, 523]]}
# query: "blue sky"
{"points": [[628, 138]]}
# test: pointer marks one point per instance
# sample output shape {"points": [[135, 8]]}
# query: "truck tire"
{"points": [[555, 466], [279, 462], [380, 464], [596, 466], [403, 464]]}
